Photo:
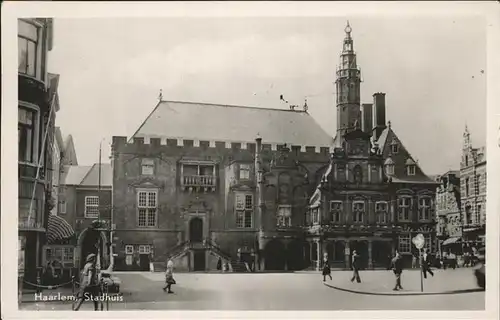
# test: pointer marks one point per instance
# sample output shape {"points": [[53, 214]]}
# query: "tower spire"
{"points": [[348, 85]]}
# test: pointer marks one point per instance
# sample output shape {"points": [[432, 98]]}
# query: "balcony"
{"points": [[199, 183], [32, 90]]}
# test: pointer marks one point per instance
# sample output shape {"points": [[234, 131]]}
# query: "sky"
{"points": [[430, 69]]}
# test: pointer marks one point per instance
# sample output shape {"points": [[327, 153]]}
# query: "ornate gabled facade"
{"points": [[473, 191], [373, 198], [448, 208]]}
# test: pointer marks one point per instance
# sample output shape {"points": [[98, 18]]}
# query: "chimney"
{"points": [[367, 117], [378, 114]]}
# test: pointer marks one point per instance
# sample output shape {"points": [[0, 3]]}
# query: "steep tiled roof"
{"points": [[92, 177], [202, 121], [88, 175], [400, 159]]}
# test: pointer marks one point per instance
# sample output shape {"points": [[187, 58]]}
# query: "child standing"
{"points": [[169, 277]]}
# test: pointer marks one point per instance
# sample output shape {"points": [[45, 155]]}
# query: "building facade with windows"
{"points": [[373, 198], [37, 106], [269, 187], [82, 200], [473, 192], [448, 211]]}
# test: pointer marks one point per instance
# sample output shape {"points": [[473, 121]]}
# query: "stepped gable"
{"points": [[217, 122]]}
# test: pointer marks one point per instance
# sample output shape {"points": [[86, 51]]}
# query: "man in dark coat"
{"points": [[89, 284], [326, 268], [355, 267], [426, 264], [397, 268]]}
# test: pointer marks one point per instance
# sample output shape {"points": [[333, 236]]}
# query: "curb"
{"points": [[406, 293]]}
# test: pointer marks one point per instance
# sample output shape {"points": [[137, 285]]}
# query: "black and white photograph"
{"points": [[323, 161]]}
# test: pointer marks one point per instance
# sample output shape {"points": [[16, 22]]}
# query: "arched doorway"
{"points": [[361, 248], [196, 230], [88, 243], [381, 254], [275, 255], [295, 256]]}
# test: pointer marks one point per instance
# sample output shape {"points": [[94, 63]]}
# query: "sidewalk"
{"points": [[382, 282]]}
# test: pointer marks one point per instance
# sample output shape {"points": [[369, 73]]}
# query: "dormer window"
{"points": [[394, 147], [389, 167], [410, 167]]}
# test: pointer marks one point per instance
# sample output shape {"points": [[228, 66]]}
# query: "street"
{"points": [[288, 291]]}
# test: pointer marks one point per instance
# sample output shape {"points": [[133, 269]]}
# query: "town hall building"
{"points": [[267, 189]]}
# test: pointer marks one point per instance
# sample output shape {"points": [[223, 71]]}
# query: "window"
{"points": [[411, 170], [147, 206], [244, 210], [468, 214], [467, 187], [358, 174], [428, 242], [284, 218], [336, 210], [404, 204], [424, 208], [91, 207], [26, 129], [476, 186], [394, 147], [244, 171], [68, 254], [129, 249], [358, 211], [381, 209], [315, 215], [27, 46], [148, 167], [144, 249], [62, 206], [404, 244], [478, 214]]}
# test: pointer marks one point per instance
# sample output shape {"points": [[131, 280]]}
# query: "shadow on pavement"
{"points": [[405, 293]]}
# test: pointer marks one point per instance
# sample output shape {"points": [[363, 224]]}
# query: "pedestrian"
{"points": [[355, 267], [219, 264], [326, 268], [414, 262], [89, 284], [426, 264], [397, 268], [169, 277]]}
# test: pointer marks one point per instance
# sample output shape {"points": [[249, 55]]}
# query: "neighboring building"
{"points": [[37, 107], [63, 154], [373, 198], [448, 210], [473, 192], [193, 186], [83, 204]]}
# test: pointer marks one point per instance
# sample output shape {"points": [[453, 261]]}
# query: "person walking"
{"points": [[397, 268], [355, 267], [414, 261], [426, 264], [89, 284], [169, 277], [219, 264], [326, 268]]}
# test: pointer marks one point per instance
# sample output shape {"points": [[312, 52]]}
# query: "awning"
{"points": [[451, 241], [58, 229]]}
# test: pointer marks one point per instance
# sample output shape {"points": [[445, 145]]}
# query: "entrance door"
{"points": [[144, 262], [196, 230], [199, 261]]}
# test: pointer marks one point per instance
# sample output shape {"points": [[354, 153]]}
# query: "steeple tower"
{"points": [[348, 85]]}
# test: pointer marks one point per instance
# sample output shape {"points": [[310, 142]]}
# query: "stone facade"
{"points": [[209, 193], [473, 190], [448, 206]]}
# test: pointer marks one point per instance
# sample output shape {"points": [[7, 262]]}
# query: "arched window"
{"points": [[358, 174]]}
